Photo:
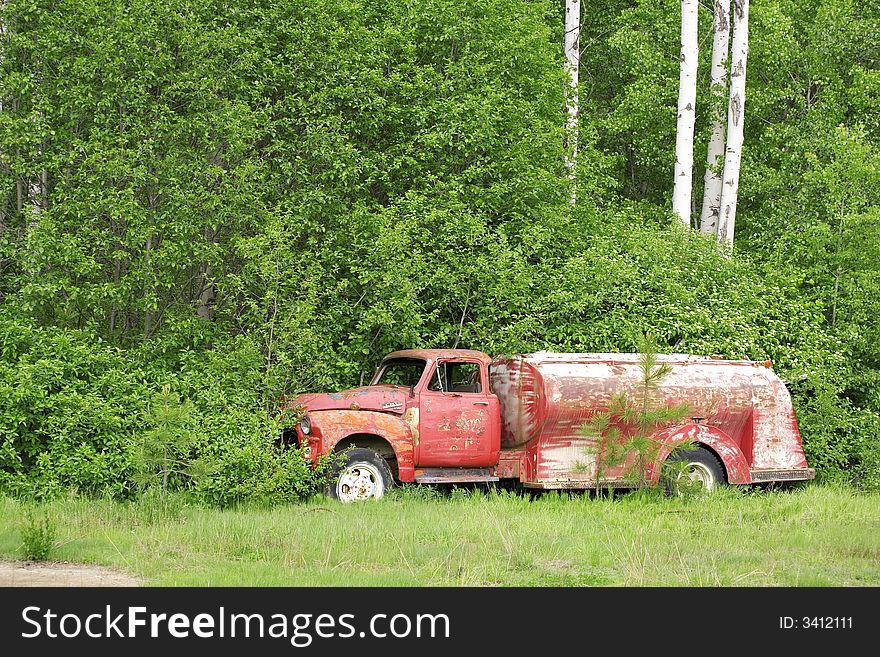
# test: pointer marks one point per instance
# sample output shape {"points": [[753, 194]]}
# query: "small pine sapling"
{"points": [[626, 432], [163, 455]]}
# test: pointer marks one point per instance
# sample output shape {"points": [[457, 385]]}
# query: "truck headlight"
{"points": [[305, 425]]}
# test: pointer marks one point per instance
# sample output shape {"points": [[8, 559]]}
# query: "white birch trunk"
{"points": [[687, 102], [715, 152], [36, 200], [37, 195], [735, 119], [572, 59]]}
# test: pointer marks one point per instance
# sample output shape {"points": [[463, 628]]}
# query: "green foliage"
{"points": [[38, 533], [245, 200], [256, 470], [79, 417], [67, 403], [843, 441]]}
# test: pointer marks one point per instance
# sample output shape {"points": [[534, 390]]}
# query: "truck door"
{"points": [[459, 423]]}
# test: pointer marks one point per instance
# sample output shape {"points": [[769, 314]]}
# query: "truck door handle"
{"points": [[481, 403]]}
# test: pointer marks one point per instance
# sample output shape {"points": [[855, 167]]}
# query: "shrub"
{"points": [[67, 403], [79, 415], [37, 535]]}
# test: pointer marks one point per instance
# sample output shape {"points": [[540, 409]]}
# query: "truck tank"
{"points": [[547, 397]]}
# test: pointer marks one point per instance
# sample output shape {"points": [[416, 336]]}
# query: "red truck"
{"points": [[456, 415]]}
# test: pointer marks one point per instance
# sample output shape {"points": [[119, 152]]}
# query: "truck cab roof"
{"points": [[441, 354]]}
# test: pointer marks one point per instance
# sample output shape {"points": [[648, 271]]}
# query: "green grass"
{"points": [[811, 536]]}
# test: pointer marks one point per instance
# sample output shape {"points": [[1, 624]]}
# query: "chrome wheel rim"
{"points": [[700, 475], [360, 481]]}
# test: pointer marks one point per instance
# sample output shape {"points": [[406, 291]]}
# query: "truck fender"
{"points": [[338, 425], [716, 440]]}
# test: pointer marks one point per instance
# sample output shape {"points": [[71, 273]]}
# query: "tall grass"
{"points": [[811, 536]]}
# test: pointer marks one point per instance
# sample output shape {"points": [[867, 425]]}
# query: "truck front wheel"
{"points": [[359, 474]]}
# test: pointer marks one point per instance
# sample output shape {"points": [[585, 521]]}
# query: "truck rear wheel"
{"points": [[359, 474], [697, 468]]}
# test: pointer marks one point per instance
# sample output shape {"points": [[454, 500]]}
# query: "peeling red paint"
{"points": [[526, 423], [742, 412], [386, 399], [330, 427]]}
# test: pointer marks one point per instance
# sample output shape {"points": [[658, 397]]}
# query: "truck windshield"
{"points": [[399, 371]]}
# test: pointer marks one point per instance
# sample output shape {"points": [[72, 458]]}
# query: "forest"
{"points": [[206, 205]]}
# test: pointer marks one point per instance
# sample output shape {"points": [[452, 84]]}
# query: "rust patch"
{"points": [[411, 417], [335, 425]]}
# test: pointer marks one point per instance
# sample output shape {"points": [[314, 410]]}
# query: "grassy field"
{"points": [[811, 536]]}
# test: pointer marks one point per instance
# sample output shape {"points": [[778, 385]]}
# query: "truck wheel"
{"points": [[359, 474], [700, 468]]}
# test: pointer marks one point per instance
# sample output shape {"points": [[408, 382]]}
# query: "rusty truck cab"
{"points": [[427, 415], [453, 415]]}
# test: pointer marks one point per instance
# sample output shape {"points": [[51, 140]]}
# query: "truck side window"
{"points": [[456, 377]]}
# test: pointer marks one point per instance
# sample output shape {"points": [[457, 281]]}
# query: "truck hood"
{"points": [[386, 399]]}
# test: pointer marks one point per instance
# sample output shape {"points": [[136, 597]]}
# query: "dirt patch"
{"points": [[55, 573]]}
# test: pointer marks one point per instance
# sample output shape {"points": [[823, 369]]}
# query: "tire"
{"points": [[699, 468], [359, 474]]}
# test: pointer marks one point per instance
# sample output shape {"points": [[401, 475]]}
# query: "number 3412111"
{"points": [[816, 623]]}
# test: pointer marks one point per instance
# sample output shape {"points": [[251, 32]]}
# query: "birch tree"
{"points": [[37, 186], [715, 152], [572, 64], [687, 101], [735, 119]]}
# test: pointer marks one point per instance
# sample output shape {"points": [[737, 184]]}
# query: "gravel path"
{"points": [[53, 573]]}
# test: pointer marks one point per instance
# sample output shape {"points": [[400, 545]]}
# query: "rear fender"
{"points": [[735, 464]]}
